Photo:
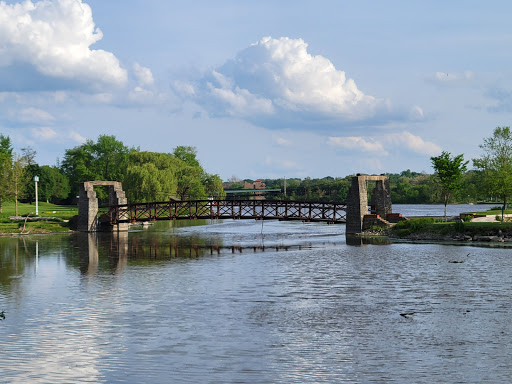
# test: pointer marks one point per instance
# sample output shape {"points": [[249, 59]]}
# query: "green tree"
{"points": [[53, 185], [213, 186], [5, 166], [449, 174], [496, 164], [151, 176], [106, 159], [189, 174], [187, 154]]}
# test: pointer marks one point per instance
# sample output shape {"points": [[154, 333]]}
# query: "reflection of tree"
{"points": [[13, 261]]}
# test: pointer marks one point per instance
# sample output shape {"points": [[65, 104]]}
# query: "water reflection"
{"points": [[114, 252], [359, 240]]}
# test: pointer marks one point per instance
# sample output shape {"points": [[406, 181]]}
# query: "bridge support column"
{"points": [[357, 201], [88, 205]]}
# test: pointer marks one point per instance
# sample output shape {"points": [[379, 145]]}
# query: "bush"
{"points": [[467, 219], [459, 226], [415, 224]]}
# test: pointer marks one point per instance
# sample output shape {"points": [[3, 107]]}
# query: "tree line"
{"points": [[146, 176], [153, 176]]}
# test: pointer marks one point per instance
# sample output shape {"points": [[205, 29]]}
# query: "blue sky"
{"points": [[261, 89]]}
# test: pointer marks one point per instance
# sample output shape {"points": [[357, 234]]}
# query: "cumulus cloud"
{"points": [[143, 75], [414, 143], [47, 44], [278, 79], [386, 143]]}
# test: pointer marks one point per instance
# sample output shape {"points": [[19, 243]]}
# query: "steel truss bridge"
{"points": [[307, 211]]}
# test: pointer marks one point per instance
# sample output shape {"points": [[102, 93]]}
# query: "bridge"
{"points": [[228, 209], [120, 214]]}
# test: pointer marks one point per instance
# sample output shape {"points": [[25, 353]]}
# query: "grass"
{"points": [[58, 216], [494, 212], [430, 226]]}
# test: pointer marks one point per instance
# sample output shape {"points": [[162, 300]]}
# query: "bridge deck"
{"points": [[229, 209]]}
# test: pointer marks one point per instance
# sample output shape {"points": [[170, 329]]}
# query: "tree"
{"points": [[107, 159], [213, 186], [496, 164], [449, 174], [5, 166], [18, 179], [187, 154], [151, 176], [53, 184], [189, 174]]}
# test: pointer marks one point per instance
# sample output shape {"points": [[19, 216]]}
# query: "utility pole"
{"points": [[36, 179]]}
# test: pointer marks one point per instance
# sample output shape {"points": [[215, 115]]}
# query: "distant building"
{"points": [[257, 184]]}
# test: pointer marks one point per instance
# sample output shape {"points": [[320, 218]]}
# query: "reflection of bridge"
{"points": [[355, 212], [228, 209]]}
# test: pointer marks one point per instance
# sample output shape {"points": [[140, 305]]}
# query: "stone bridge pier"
{"points": [[357, 201], [88, 205]]}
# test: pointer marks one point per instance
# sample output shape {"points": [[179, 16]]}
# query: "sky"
{"points": [[262, 89]]}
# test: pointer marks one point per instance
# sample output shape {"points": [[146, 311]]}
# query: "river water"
{"points": [[251, 302]]}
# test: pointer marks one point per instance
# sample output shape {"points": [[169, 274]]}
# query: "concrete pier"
{"points": [[357, 201], [88, 205]]}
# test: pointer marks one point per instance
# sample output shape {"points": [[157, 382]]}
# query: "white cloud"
{"points": [[34, 115], [278, 79], [414, 143], [143, 75], [44, 133], [75, 136], [357, 143], [183, 88], [53, 38], [386, 144]]}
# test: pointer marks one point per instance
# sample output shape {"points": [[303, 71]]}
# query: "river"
{"points": [[251, 302]]}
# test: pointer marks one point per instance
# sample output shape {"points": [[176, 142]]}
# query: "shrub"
{"points": [[403, 232], [467, 219], [459, 226], [415, 224]]}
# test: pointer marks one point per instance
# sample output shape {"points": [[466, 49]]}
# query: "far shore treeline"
{"points": [[153, 176]]}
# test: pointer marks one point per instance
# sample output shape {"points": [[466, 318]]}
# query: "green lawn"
{"points": [[45, 210], [429, 225], [59, 215], [494, 212]]}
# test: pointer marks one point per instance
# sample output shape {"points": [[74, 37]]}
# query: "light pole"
{"points": [[36, 179]]}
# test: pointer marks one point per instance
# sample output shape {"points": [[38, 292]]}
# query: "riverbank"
{"points": [[428, 229], [52, 218]]}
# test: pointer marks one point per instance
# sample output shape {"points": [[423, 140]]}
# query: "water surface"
{"points": [[251, 302]]}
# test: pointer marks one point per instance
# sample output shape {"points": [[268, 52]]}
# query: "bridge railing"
{"points": [[229, 209]]}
